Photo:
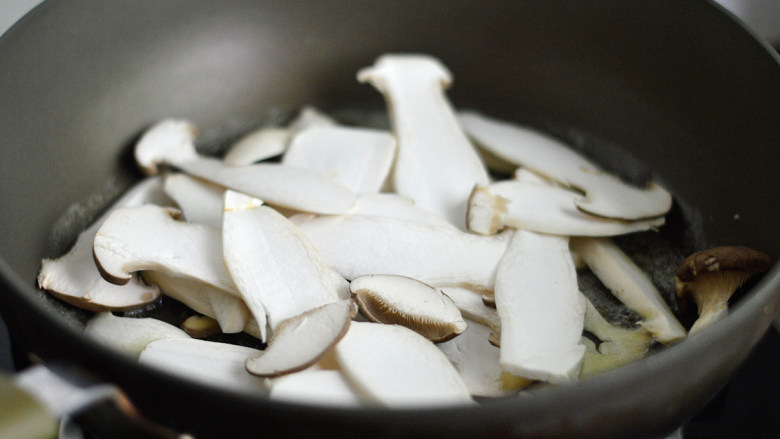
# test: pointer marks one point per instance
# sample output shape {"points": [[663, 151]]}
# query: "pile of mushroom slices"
{"points": [[378, 267]]}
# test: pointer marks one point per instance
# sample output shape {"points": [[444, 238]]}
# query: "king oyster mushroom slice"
{"points": [[630, 285], [391, 205], [199, 201], [74, 278], [275, 267], [354, 245], [401, 300], [397, 367], [171, 142], [436, 164], [477, 361], [150, 238], [211, 363], [199, 297], [541, 309], [359, 158], [322, 387], [542, 209], [606, 195], [130, 335], [472, 306], [302, 340], [617, 345]]}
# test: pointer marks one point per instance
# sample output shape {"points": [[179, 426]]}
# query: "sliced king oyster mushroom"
{"points": [[321, 387], [208, 362], [149, 238], [436, 164], [200, 298], [130, 335], [542, 209], [541, 309], [630, 285], [524, 175], [397, 367], [476, 360], [472, 306], [200, 326], [267, 142], [74, 278], [277, 270], [302, 340], [171, 142], [390, 205], [404, 301], [199, 201], [354, 245], [606, 195], [358, 158]]}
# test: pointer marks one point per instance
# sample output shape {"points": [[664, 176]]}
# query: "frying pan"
{"points": [[674, 90]]}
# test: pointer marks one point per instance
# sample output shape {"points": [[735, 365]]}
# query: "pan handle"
{"points": [[22, 415]]}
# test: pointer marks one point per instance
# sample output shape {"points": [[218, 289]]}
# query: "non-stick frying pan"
{"points": [[676, 90]]}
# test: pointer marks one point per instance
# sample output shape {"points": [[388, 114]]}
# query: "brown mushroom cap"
{"points": [[720, 259]]}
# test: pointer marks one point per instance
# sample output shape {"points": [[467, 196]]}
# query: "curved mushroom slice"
{"points": [[472, 306], [199, 297], [436, 164], [407, 302], [200, 326], [391, 205], [630, 285], [277, 270], [541, 309], [606, 195], [325, 387], [199, 201], [170, 142], [394, 366], [355, 245], [211, 363], [302, 340], [617, 346], [258, 145], [74, 278], [359, 158], [130, 335], [542, 209], [149, 238], [477, 361], [311, 117]]}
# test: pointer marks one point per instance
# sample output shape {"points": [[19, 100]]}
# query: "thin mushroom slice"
{"points": [[606, 195], [302, 340], [541, 309], [355, 245], [74, 277], [208, 362], [542, 209], [258, 145], [276, 269], [404, 301], [359, 158], [390, 205], [198, 297], [394, 366], [199, 201], [171, 142], [320, 387], [630, 285], [436, 164], [129, 335], [150, 238], [472, 306]]}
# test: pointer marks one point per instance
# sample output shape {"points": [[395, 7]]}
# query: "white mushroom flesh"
{"points": [[199, 201], [630, 285], [541, 309], [472, 306], [436, 164], [390, 205], [408, 302], [606, 195], [130, 335], [258, 145], [358, 158], [355, 245], [394, 366], [320, 387], [74, 277]]}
